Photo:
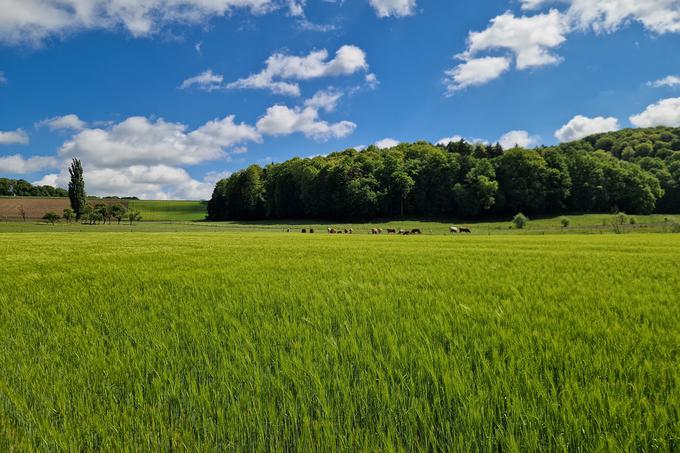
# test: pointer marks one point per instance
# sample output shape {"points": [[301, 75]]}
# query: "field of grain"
{"points": [[266, 341], [170, 210]]}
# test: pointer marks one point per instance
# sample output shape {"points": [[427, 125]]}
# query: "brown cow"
{"points": [[304, 230], [311, 230], [391, 231], [416, 231], [465, 230]]}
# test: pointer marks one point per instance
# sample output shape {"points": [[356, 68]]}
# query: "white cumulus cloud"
{"points": [[518, 138], [666, 112], [17, 137], [386, 143], [66, 122], [17, 164], [283, 120], [581, 126], [281, 68]]}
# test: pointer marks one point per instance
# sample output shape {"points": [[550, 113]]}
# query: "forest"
{"points": [[635, 171], [23, 188]]}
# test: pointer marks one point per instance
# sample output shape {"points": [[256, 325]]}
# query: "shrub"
{"points": [[520, 221], [51, 217], [565, 222], [621, 218], [632, 220]]}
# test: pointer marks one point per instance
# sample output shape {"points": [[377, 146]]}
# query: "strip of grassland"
{"points": [[265, 341]]}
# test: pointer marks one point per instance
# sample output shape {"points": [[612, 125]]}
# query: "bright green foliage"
{"points": [[607, 173], [117, 211], [69, 215], [23, 188], [51, 217], [276, 342], [520, 221], [133, 216], [76, 188]]}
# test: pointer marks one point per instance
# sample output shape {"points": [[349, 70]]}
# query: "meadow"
{"points": [[263, 341]]}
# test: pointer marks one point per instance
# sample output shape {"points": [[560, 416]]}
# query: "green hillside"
{"points": [[169, 210]]}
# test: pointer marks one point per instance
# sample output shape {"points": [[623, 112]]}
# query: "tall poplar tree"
{"points": [[76, 188]]}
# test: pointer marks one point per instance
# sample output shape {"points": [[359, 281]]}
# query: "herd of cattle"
{"points": [[452, 230]]}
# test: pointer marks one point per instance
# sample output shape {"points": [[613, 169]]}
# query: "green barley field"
{"points": [[256, 340], [169, 210]]}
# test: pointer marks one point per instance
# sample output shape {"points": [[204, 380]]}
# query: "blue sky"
{"points": [[160, 98]]}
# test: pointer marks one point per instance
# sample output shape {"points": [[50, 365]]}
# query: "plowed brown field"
{"points": [[36, 207]]}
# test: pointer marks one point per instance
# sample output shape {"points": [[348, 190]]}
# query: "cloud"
{"points": [[17, 164], [518, 138], [529, 38], [456, 138], [348, 60], [282, 120], [386, 143], [3, 79], [476, 71], [670, 81], [18, 137], [206, 81], [32, 21], [666, 112], [532, 39], [580, 127], [658, 16], [325, 99], [66, 122], [140, 141], [151, 182], [393, 8]]}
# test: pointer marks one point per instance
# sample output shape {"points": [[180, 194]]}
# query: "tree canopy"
{"points": [[23, 188], [635, 170]]}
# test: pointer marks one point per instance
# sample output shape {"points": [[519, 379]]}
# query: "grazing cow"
{"points": [[311, 230], [346, 232], [454, 230], [402, 231], [288, 230], [391, 231], [331, 231], [465, 230], [380, 230], [406, 232], [416, 231], [351, 231], [304, 230], [374, 231]]}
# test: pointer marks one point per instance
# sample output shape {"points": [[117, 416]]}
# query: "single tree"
{"points": [[51, 217], [403, 184], [103, 212], [565, 222], [69, 215], [520, 221], [22, 212], [118, 212], [133, 216], [76, 188]]}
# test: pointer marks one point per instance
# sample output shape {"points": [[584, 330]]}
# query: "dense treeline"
{"points": [[23, 188], [636, 171]]}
